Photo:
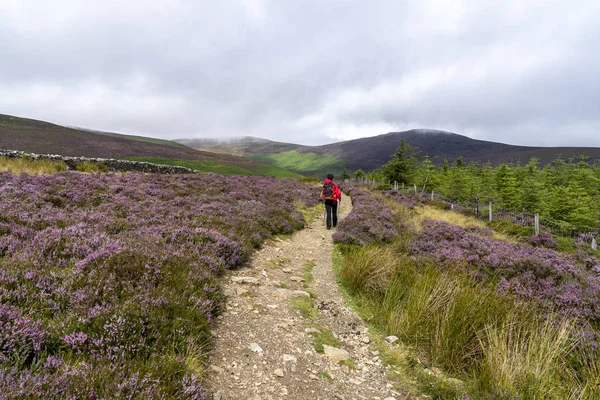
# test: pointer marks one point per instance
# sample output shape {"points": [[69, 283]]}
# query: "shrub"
{"points": [[543, 240], [108, 282], [370, 221]]}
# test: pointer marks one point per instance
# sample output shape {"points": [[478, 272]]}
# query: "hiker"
{"points": [[332, 195]]}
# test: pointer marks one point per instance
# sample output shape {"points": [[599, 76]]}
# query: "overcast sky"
{"points": [[303, 71]]}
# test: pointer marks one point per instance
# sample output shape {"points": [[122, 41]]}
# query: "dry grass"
{"points": [[37, 167], [428, 212], [499, 347], [529, 359]]}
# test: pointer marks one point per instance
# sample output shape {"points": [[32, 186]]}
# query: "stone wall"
{"points": [[112, 164]]}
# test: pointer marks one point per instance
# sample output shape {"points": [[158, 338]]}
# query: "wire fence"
{"points": [[488, 211]]}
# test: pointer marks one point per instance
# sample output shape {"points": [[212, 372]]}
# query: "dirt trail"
{"points": [[265, 345]]}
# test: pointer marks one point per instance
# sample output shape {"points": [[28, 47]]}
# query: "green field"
{"points": [[307, 164], [211, 166]]}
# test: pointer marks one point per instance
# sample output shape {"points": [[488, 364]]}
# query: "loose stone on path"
{"points": [[265, 350]]}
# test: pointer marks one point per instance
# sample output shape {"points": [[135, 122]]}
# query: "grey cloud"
{"points": [[301, 71]]}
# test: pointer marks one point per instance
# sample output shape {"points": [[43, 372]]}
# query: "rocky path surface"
{"points": [[287, 332]]}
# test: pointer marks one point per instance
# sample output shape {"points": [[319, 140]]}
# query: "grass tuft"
{"points": [[501, 347], [91, 167], [324, 337], [326, 376], [307, 273], [36, 167], [305, 306]]}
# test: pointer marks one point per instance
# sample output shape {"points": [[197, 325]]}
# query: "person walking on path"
{"points": [[332, 195]]}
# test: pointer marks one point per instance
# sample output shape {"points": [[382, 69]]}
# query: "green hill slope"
{"points": [[46, 138], [372, 152]]}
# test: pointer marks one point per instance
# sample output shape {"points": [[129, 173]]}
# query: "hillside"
{"points": [[372, 152], [45, 138]]}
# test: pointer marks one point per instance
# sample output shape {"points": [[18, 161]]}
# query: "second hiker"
{"points": [[332, 195]]}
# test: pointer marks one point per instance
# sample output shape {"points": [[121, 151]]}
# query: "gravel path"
{"points": [[277, 310]]}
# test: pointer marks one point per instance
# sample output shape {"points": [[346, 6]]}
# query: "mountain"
{"points": [[372, 152], [41, 137]]}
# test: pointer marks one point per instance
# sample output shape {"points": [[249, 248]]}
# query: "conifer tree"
{"points": [[402, 166]]}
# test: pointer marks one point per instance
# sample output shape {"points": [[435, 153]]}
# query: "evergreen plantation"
{"points": [[565, 190]]}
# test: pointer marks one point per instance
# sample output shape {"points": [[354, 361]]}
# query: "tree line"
{"points": [[565, 190]]}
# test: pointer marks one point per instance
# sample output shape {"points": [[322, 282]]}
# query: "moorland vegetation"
{"points": [[478, 315], [108, 282], [564, 190]]}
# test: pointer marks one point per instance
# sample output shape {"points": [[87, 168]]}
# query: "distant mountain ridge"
{"points": [[34, 136], [372, 152]]}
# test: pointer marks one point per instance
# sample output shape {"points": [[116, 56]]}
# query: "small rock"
{"points": [[296, 279], [312, 330], [289, 358], [313, 377], [279, 372], [390, 398], [366, 339], [335, 354], [255, 348], [287, 270], [218, 396], [216, 369], [241, 291], [391, 339], [250, 280], [302, 293]]}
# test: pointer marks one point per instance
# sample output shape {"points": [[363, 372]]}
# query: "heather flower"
{"points": [[543, 239], [560, 282], [123, 269], [370, 221]]}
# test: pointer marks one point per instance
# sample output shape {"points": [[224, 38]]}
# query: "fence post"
{"points": [[537, 223], [395, 185], [432, 192], [490, 211], [594, 244], [415, 190]]}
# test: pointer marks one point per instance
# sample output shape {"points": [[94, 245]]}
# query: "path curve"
{"points": [[265, 345]]}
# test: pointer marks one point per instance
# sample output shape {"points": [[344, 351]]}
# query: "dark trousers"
{"points": [[331, 208]]}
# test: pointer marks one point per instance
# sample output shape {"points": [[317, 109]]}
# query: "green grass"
{"points": [[326, 376], [211, 166], [276, 171], [304, 305], [323, 337], [307, 273], [307, 164], [18, 165]]}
